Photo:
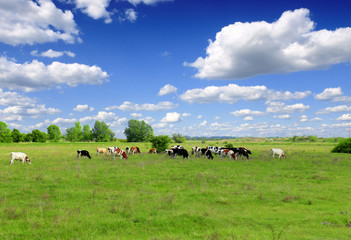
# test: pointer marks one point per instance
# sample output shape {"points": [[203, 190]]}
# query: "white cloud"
{"points": [[290, 44], [283, 116], [136, 115], [35, 76], [232, 93], [329, 94], [171, 117], [129, 106], [147, 2], [186, 114], [279, 107], [199, 117], [248, 118], [160, 125], [167, 89], [341, 108], [83, 108], [95, 9], [101, 116], [28, 22], [131, 15], [203, 124], [247, 112], [344, 117], [52, 53]]}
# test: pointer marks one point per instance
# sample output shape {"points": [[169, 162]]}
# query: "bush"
{"points": [[178, 138], [229, 145], [343, 147], [161, 142]]}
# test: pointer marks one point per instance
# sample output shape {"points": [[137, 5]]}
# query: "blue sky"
{"points": [[199, 68]]}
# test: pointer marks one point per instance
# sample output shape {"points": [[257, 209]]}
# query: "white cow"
{"points": [[19, 156], [277, 151]]}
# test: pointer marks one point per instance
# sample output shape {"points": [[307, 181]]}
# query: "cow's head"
{"points": [[27, 160], [283, 155]]}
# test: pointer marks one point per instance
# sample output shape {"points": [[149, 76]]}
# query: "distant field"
{"points": [[306, 196]]}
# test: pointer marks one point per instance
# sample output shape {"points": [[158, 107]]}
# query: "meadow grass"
{"points": [[152, 196]]}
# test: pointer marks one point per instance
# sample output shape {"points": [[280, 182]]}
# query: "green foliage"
{"points": [[74, 134], [5, 133], [229, 145], [343, 147], [161, 142], [138, 131], [17, 136], [87, 133], [54, 133], [101, 132], [178, 138], [38, 136], [28, 137], [313, 138]]}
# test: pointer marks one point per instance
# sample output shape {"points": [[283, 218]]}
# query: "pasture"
{"points": [[151, 196]]}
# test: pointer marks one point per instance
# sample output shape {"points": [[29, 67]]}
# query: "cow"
{"points": [[153, 150], [102, 151], [83, 153], [194, 150], [169, 152], [244, 152], [228, 152], [128, 150], [177, 147], [19, 156], [119, 152], [279, 152], [111, 149], [134, 150], [207, 153], [215, 150], [180, 152]]}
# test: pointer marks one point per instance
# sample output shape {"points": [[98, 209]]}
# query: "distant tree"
{"points": [[87, 133], [343, 147], [161, 142], [17, 136], [313, 138], [28, 137], [138, 131], [229, 145], [75, 133], [178, 138], [38, 136], [54, 133], [5, 133], [101, 132]]}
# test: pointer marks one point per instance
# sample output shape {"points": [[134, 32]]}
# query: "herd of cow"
{"points": [[208, 152]]}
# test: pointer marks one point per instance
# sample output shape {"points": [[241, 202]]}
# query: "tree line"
{"points": [[99, 133]]}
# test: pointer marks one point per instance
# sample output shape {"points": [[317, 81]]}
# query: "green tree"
{"points": [[28, 137], [343, 147], [101, 132], [39, 136], [87, 133], [54, 133], [75, 133], [138, 131], [17, 136], [5, 133], [178, 138], [161, 142]]}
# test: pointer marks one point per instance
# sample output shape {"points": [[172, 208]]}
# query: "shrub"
{"points": [[343, 147], [161, 142], [229, 145], [178, 138]]}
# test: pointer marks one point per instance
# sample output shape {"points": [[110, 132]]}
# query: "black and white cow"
{"points": [[83, 153], [180, 152], [214, 149]]}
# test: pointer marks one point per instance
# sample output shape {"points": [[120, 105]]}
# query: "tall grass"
{"points": [[306, 196]]}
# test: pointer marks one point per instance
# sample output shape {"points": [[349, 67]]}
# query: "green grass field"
{"points": [[306, 196]]}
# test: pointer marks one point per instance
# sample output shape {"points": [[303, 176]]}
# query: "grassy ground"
{"points": [[306, 196]]}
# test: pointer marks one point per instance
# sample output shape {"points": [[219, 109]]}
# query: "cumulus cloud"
{"points": [[247, 112], [147, 2], [83, 108], [290, 44], [248, 118], [329, 94], [203, 124], [171, 117], [52, 53], [136, 115], [101, 116], [167, 89], [35, 75], [344, 117], [341, 108], [186, 114], [131, 15], [232, 93], [280, 107], [30, 22], [283, 116], [95, 9], [129, 106]]}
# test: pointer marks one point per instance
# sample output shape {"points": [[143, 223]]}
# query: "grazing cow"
{"points": [[128, 150], [207, 153], [180, 152], [19, 156], [277, 151], [111, 149], [169, 152], [134, 150], [215, 150], [119, 152], [244, 152], [194, 150], [177, 147], [153, 150], [228, 152], [83, 153], [102, 151]]}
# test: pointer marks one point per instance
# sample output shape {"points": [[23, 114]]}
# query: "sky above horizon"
{"points": [[199, 68]]}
